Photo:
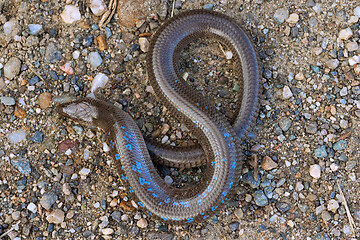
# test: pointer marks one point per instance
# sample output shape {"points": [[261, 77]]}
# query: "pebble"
{"points": [[76, 54], [283, 207], [144, 44], [38, 137], [268, 164], [340, 145], [343, 91], [107, 231], [352, 46], [234, 226], [67, 68], [70, 14], [17, 136], [48, 199], [315, 171], [34, 28], [32, 207], [99, 81], [345, 34], [12, 68], [142, 223], [11, 27], [320, 152], [260, 198], [52, 54], [84, 171], [44, 100], [66, 189], [332, 63], [357, 11], [94, 59], [56, 216], [332, 205], [343, 124], [325, 215], [293, 18], [8, 101], [281, 15], [168, 180], [287, 92], [98, 7], [208, 6], [285, 124], [33, 80]]}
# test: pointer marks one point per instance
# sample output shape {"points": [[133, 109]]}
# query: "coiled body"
{"points": [[218, 139]]}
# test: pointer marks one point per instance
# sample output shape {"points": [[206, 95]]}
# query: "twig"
{"points": [[33, 70], [351, 220], [172, 10], [105, 19], [221, 48], [8, 231]]}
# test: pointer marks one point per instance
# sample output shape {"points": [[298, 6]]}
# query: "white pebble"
{"points": [[293, 18], [94, 59], [168, 180], [228, 55], [357, 11], [345, 34], [354, 60], [10, 27], [97, 205], [70, 14], [315, 171], [99, 81], [287, 93], [76, 54], [17, 136], [343, 91], [84, 171], [34, 28], [98, 7], [32, 207], [107, 231], [106, 148], [144, 44], [333, 205]]}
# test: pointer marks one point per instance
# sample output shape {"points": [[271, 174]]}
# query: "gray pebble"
{"points": [[12, 68], [208, 6], [260, 198], [34, 28], [340, 145], [22, 164], [282, 206], [320, 152], [281, 15], [52, 54], [116, 215], [234, 226], [8, 101], [38, 137], [311, 128], [48, 199], [285, 124], [94, 59]]}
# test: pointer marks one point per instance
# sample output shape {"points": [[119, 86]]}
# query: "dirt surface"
{"points": [[58, 181]]}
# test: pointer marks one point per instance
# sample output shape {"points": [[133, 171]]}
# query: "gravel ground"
{"points": [[57, 180]]}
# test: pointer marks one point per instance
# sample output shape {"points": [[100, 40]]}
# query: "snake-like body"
{"points": [[219, 140]]}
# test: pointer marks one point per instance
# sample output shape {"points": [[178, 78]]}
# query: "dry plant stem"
{"points": [[351, 220], [8, 231], [105, 19]]}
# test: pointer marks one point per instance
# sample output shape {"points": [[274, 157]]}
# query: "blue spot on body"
{"points": [[202, 213], [230, 184], [131, 190], [175, 219], [197, 104], [109, 133], [154, 195], [234, 165], [218, 165], [167, 200], [164, 218], [205, 217], [199, 201], [226, 135], [149, 189], [209, 189], [141, 204], [122, 127], [223, 159], [224, 193], [213, 208], [128, 146], [185, 204], [160, 203], [143, 181], [222, 201], [189, 220], [212, 163], [117, 157], [175, 204]]}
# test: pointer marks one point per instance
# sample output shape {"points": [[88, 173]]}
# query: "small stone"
{"points": [[12, 27], [299, 186], [66, 189], [319, 209], [239, 213], [144, 44], [107, 231], [285, 124], [293, 18], [98, 7], [333, 205], [281, 15], [44, 100], [34, 28], [84, 171], [347, 229], [332, 63], [300, 76], [315, 171], [17, 136], [283, 207], [99, 81], [287, 92], [208, 6], [168, 180], [268, 164], [357, 11], [38, 137], [340, 145], [343, 123], [67, 68], [352, 46], [343, 91], [234, 226], [311, 128], [52, 54], [48, 199], [70, 14], [7, 101], [32, 207], [354, 60], [345, 34], [325, 215], [101, 42], [94, 59], [33, 80], [320, 152], [12, 68], [57, 216], [76, 54], [260, 198], [142, 223]]}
